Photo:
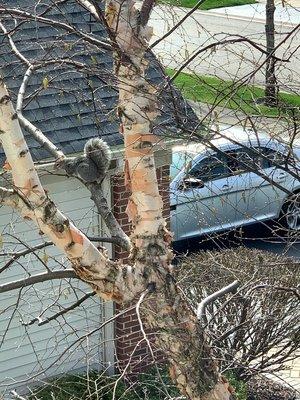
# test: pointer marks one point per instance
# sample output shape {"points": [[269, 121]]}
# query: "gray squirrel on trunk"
{"points": [[93, 164]]}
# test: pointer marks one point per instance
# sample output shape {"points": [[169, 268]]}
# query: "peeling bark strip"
{"points": [[108, 279], [178, 333]]}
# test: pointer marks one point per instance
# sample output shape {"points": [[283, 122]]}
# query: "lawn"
{"points": [[208, 4], [211, 90]]}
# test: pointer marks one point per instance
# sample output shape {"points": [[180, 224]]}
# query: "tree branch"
{"points": [[8, 197], [60, 313], [295, 291], [109, 279], [145, 12], [178, 24], [29, 250], [69, 28], [118, 235], [213, 297], [43, 277], [36, 132], [220, 43]]}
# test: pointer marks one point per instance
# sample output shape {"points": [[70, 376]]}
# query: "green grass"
{"points": [[208, 4], [211, 90], [240, 387]]}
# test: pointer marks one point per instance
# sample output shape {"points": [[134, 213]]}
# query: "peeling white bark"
{"points": [[35, 132], [115, 229], [178, 333], [108, 279]]}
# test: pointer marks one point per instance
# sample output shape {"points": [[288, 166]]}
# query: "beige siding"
{"points": [[33, 353]]}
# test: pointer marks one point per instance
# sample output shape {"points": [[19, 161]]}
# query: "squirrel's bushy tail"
{"points": [[99, 151]]}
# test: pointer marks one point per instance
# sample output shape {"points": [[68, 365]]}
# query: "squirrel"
{"points": [[93, 164]]}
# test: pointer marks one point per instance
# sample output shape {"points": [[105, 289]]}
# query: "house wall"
{"points": [[34, 353], [128, 332], [29, 355]]}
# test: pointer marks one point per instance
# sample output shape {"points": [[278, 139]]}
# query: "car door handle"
{"points": [[226, 188], [281, 176]]}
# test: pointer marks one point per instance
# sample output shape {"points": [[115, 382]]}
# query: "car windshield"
{"points": [[180, 160]]}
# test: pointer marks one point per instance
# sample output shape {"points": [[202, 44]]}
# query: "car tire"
{"points": [[290, 214]]}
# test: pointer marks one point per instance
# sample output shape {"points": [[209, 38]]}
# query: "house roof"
{"points": [[71, 105]]}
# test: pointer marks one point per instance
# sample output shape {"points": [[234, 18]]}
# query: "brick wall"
{"points": [[128, 332]]}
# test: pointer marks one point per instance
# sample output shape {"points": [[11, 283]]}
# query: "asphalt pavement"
{"points": [[231, 61], [256, 236], [287, 16]]}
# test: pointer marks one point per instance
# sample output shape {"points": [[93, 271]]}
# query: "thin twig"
{"points": [[15, 256], [54, 23], [60, 313], [178, 23]]}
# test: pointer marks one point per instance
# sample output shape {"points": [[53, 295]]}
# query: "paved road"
{"points": [[235, 60], [283, 15]]}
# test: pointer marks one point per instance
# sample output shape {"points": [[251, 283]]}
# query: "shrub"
{"points": [[256, 329]]}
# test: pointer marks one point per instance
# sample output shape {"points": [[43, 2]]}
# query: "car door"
{"points": [[256, 196], [208, 207], [280, 168]]}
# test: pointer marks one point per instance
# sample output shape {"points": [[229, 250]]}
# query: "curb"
{"points": [[212, 13], [260, 20]]}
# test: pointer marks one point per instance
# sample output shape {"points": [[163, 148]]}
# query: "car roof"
{"points": [[226, 137]]}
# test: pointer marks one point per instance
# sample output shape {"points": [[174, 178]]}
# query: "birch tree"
{"points": [[148, 278]]}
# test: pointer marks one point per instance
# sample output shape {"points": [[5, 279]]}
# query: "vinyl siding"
{"points": [[30, 354]]}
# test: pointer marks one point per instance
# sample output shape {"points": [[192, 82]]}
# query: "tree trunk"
{"points": [[165, 311], [92, 266], [164, 308], [270, 78]]}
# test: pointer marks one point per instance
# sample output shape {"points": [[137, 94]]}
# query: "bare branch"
{"points": [[36, 132], [69, 28], [60, 313], [43, 277], [118, 234], [78, 341], [90, 7], [187, 15], [16, 255], [104, 210], [17, 396], [214, 296], [295, 291], [221, 43], [14, 47]]}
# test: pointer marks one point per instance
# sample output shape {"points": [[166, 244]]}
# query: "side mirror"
{"points": [[191, 182]]}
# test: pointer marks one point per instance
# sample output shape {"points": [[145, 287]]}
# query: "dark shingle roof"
{"points": [[70, 106]]}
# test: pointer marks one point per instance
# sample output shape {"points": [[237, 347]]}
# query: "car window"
{"points": [[210, 168], [271, 157], [241, 160], [180, 160]]}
